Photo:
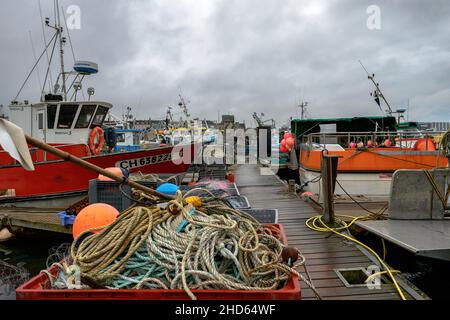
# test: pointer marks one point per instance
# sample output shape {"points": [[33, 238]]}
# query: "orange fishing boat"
{"points": [[367, 159]]}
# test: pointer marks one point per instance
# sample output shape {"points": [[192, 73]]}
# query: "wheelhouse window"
{"points": [[99, 116], [51, 115], [67, 114], [121, 137], [40, 121], [86, 113]]}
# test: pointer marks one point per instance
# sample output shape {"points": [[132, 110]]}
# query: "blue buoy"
{"points": [[168, 188]]}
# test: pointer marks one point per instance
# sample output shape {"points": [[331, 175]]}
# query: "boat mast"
{"points": [[169, 118], [62, 41], [302, 107], [377, 93], [183, 105]]}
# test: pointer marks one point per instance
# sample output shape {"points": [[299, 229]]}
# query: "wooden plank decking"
{"points": [[323, 252], [32, 218]]}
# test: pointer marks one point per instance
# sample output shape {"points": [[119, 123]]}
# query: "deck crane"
{"points": [[183, 105], [260, 122], [377, 94]]}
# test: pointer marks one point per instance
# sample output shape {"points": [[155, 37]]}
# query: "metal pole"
{"points": [[291, 185], [329, 173]]}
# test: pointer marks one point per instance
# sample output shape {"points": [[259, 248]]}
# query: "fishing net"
{"points": [[11, 277], [58, 253]]}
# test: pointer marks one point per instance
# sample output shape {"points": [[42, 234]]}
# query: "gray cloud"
{"points": [[245, 56]]}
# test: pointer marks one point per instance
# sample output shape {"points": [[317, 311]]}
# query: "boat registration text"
{"points": [[145, 161]]}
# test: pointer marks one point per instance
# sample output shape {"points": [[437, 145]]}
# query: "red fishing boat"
{"points": [[75, 127]]}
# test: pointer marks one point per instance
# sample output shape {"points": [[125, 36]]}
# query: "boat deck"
{"points": [[323, 252], [426, 238]]}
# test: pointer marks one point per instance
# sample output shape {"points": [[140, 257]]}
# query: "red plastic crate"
{"points": [[35, 289]]}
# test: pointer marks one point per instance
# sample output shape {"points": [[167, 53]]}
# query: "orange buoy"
{"points": [[424, 144], [290, 142], [230, 177], [117, 171], [93, 216]]}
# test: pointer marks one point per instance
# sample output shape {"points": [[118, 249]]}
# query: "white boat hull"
{"points": [[370, 185]]}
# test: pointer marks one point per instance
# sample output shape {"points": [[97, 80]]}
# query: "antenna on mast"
{"points": [[302, 107], [62, 42], [377, 94]]}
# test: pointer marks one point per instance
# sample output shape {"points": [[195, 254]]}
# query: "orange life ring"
{"points": [[96, 147]]}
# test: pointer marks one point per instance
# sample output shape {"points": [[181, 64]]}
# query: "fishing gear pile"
{"points": [[189, 243]]}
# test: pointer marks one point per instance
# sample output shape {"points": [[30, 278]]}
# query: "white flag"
{"points": [[12, 139]]}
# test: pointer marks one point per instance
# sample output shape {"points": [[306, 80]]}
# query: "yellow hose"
{"points": [[312, 223], [379, 274]]}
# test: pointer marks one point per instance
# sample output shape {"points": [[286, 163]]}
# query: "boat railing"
{"points": [[400, 139]]}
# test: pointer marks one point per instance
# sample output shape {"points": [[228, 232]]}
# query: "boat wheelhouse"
{"points": [[128, 139]]}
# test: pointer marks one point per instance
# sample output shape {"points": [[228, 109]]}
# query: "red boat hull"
{"points": [[60, 176]]}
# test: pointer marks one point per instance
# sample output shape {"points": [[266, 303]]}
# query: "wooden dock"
{"points": [[39, 219], [323, 252]]}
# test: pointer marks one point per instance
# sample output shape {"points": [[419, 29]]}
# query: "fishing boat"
{"points": [[72, 127], [370, 150], [186, 130], [75, 127], [367, 159]]}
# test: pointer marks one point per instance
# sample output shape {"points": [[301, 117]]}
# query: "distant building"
{"points": [[228, 122], [212, 124], [434, 126]]}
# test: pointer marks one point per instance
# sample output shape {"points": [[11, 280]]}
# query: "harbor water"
{"points": [[21, 259]]}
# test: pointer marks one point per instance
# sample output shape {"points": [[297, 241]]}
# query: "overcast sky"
{"points": [[241, 56]]}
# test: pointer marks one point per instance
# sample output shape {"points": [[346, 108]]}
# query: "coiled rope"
{"points": [[101, 256], [178, 246]]}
